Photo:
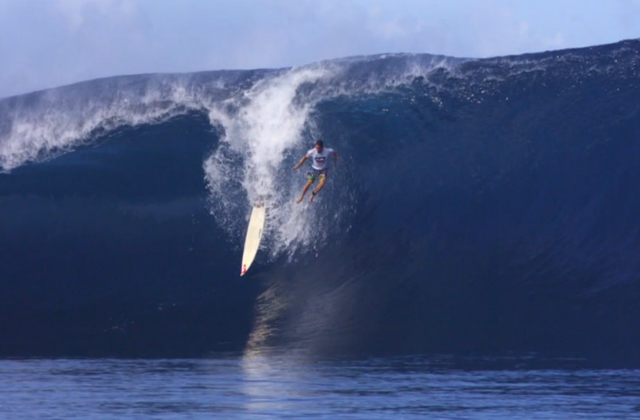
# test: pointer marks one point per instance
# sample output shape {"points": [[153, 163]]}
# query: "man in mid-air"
{"points": [[319, 156]]}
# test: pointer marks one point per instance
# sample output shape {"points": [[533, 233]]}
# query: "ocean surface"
{"points": [[255, 386], [480, 208]]}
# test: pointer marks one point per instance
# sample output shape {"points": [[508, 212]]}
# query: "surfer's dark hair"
{"points": [[320, 143]]}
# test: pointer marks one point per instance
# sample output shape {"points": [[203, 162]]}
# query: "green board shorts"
{"points": [[316, 173]]}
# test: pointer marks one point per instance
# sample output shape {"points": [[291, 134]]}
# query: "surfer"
{"points": [[319, 159]]}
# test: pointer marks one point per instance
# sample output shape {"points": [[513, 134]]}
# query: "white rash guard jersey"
{"points": [[319, 160]]}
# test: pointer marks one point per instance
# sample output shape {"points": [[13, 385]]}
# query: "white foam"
{"points": [[45, 124], [263, 129]]}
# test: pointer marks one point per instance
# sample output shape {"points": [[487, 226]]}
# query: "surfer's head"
{"points": [[319, 146]]}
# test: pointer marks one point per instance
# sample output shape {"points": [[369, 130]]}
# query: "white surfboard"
{"points": [[254, 235]]}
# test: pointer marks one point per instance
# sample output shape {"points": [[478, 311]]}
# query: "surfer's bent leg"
{"points": [[311, 177], [323, 179]]}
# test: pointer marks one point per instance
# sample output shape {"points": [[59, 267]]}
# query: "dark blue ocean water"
{"points": [[480, 207], [281, 387]]}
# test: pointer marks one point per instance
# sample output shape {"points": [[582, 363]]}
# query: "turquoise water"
{"points": [[264, 387]]}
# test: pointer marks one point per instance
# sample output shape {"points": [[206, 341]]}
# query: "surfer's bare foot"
{"points": [[313, 195], [299, 200]]}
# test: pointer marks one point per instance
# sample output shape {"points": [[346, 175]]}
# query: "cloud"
{"points": [[81, 12], [65, 41]]}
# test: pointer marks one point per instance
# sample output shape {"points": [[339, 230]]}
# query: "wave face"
{"points": [[480, 206]]}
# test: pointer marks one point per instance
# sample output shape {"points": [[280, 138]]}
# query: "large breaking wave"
{"points": [[479, 206]]}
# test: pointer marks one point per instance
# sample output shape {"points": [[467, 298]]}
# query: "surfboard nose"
{"points": [[253, 238]]}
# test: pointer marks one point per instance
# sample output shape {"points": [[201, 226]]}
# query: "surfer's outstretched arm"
{"points": [[301, 162]]}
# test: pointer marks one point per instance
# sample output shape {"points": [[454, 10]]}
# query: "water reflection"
{"points": [[276, 385]]}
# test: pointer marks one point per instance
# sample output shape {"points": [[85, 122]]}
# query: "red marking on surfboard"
{"points": [[244, 269]]}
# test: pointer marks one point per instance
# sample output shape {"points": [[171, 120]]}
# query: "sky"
{"points": [[48, 43]]}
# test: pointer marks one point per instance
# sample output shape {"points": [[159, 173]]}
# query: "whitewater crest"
{"points": [[41, 125]]}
